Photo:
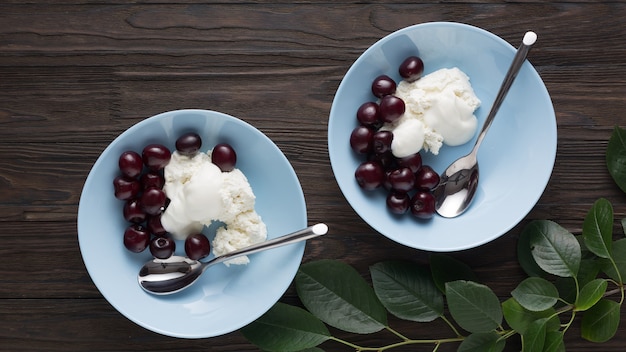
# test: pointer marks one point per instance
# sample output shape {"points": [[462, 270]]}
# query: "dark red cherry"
{"points": [[398, 202], [370, 175], [136, 238], [411, 68], [423, 205], [414, 162], [188, 144], [152, 179], [224, 156], [153, 201], [130, 164], [387, 160], [133, 211], [381, 142], [156, 156], [361, 139], [367, 114], [426, 178], [383, 85], [401, 179], [197, 246], [162, 247], [391, 108], [154, 225], [125, 187]]}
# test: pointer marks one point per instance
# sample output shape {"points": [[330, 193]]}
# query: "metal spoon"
{"points": [[459, 181], [163, 277]]}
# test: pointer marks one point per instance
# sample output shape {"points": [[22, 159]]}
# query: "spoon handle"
{"points": [[300, 235], [518, 60]]}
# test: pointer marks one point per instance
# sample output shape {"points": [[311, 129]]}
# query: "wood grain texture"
{"points": [[75, 74]]}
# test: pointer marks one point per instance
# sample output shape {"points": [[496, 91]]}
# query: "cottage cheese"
{"points": [[200, 194], [439, 110]]}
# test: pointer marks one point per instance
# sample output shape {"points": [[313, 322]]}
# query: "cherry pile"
{"points": [[140, 186], [408, 183]]}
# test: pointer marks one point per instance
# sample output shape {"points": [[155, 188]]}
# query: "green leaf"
{"points": [[286, 328], [534, 337], [619, 257], [445, 269], [554, 248], [407, 290], [482, 342], [590, 294], [536, 294], [554, 342], [516, 316], [473, 306], [588, 271], [623, 222], [525, 256], [585, 253], [598, 228], [520, 318], [600, 322], [568, 289], [335, 293], [616, 157]]}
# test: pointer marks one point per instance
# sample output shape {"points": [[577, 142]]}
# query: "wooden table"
{"points": [[75, 74]]}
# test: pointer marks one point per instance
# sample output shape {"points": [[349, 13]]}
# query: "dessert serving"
{"points": [[416, 115], [180, 193]]}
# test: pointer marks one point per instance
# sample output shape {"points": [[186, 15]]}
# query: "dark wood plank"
{"points": [[75, 74]]}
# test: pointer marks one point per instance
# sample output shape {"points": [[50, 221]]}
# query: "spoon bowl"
{"points": [[167, 276], [457, 187], [458, 183]]}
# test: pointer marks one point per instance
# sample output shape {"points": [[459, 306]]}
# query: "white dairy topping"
{"points": [[408, 136], [439, 110], [246, 229], [200, 193]]}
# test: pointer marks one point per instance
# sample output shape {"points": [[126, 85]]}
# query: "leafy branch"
{"points": [[568, 276]]}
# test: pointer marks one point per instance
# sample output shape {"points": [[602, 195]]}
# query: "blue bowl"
{"points": [[225, 298], [516, 158]]}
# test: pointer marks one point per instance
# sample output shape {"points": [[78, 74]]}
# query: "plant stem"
{"points": [[456, 332], [564, 309], [397, 333], [619, 289], [619, 275], [505, 334], [577, 288], [613, 291], [569, 323], [436, 342]]}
